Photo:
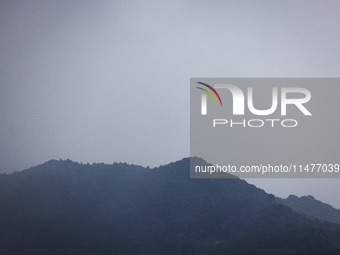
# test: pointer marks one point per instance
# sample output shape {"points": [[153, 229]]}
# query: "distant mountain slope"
{"points": [[312, 208], [62, 207]]}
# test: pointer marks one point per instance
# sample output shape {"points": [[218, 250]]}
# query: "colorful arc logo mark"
{"points": [[209, 93]]}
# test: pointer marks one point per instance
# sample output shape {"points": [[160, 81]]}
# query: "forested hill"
{"points": [[312, 208], [62, 207]]}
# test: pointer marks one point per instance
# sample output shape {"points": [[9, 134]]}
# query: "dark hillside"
{"points": [[62, 207]]}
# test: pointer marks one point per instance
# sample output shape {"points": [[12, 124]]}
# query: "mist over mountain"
{"points": [[312, 208], [63, 207]]}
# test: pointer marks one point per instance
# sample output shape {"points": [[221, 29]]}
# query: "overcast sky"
{"points": [[107, 81]]}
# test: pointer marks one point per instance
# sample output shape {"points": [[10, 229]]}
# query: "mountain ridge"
{"points": [[73, 208], [312, 208]]}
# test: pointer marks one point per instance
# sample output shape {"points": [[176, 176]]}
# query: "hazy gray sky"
{"points": [[107, 81]]}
